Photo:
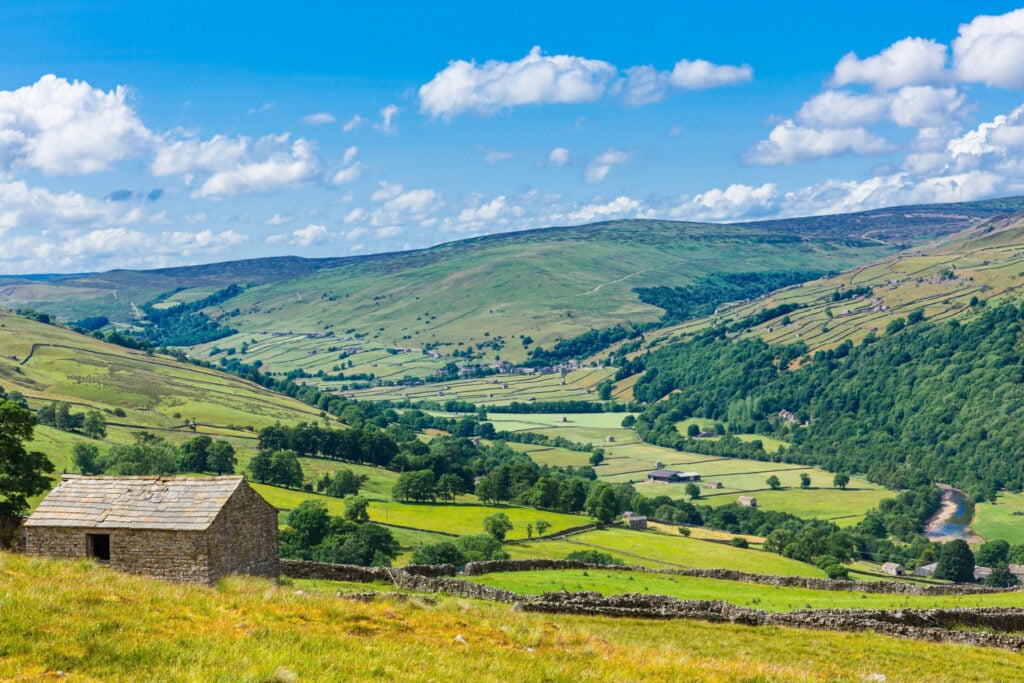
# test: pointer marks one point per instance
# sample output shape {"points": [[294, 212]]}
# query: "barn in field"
{"points": [[190, 529], [894, 569], [747, 501], [671, 476]]}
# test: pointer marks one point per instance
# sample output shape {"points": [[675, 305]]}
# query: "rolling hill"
{"points": [[489, 297], [132, 389]]}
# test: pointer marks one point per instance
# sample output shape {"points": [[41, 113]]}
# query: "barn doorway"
{"points": [[99, 546]]}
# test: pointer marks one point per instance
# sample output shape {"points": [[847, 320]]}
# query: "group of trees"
{"points": [[926, 402], [313, 534], [185, 324], [152, 454], [59, 416], [704, 296]]}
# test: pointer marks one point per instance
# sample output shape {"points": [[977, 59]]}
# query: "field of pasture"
{"points": [[255, 630]]}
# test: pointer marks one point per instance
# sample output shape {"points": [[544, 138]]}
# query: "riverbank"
{"points": [[952, 521]]}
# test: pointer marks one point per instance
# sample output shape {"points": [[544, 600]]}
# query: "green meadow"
{"points": [[114, 627], [768, 598]]}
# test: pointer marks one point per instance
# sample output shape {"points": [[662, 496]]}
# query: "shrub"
{"points": [[594, 557]]}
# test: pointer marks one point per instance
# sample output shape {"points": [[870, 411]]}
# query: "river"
{"points": [[953, 520]]}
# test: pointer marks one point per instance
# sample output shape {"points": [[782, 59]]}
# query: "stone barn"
{"points": [[191, 529]]}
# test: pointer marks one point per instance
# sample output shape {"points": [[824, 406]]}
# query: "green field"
{"points": [[768, 598], [997, 520], [453, 518], [656, 549], [113, 627]]}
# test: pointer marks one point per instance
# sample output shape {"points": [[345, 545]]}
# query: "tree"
{"points": [[93, 425], [773, 482], [498, 525], [309, 520], [194, 453], [572, 494], [480, 547], [956, 562], [450, 485], [445, 552], [148, 454], [22, 472], [693, 491], [840, 481], [597, 457], [344, 483], [1001, 577], [629, 421], [85, 457], [604, 390], [418, 486], [542, 526], [285, 469], [993, 553], [220, 457], [805, 480], [693, 430], [356, 509], [602, 503], [259, 466], [594, 557]]}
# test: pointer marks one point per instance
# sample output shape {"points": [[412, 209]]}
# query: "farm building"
{"points": [[747, 501], [671, 476], [926, 569], [1017, 570], [195, 530], [894, 569], [634, 521], [714, 485], [981, 573]]}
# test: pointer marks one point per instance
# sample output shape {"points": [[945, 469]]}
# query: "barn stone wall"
{"points": [[243, 537], [175, 555]]}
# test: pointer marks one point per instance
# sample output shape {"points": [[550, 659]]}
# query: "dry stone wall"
{"points": [[889, 587], [961, 625]]}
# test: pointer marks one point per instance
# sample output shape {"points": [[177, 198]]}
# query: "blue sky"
{"points": [[137, 135]]}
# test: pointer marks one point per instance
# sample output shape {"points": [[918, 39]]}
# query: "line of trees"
{"points": [[59, 416], [152, 454]]}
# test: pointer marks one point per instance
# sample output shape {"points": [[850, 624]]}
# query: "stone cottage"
{"points": [[192, 529]]}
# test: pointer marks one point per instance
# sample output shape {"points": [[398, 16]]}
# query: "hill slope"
{"points": [[481, 296], [158, 393]]}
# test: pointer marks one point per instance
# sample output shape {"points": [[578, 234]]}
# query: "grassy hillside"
{"points": [[107, 626], [986, 262], [157, 393]]}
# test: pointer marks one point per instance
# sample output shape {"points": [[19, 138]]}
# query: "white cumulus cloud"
{"points": [[841, 109], [559, 156], [737, 200], [562, 79], [599, 167], [911, 61], [699, 74], [62, 128], [990, 50], [789, 143], [280, 169], [620, 207], [495, 85]]}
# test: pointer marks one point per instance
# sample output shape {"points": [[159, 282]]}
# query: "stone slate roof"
{"points": [[151, 502]]}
